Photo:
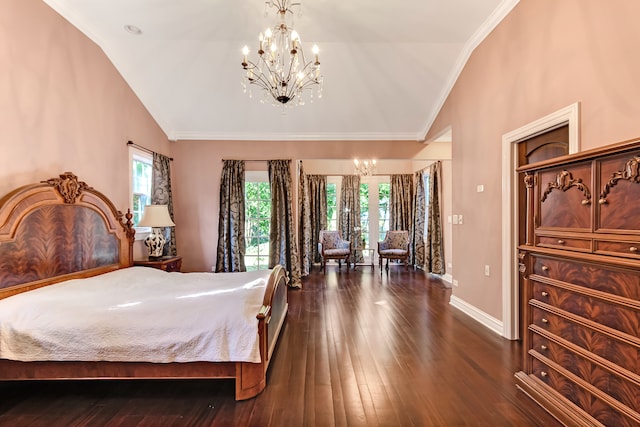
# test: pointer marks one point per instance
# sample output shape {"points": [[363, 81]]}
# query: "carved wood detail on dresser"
{"points": [[581, 270]]}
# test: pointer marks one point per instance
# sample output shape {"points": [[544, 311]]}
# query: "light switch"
{"points": [[459, 219], [480, 188], [455, 219]]}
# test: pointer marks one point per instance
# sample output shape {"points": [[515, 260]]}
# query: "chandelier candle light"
{"points": [[365, 167], [281, 69]]}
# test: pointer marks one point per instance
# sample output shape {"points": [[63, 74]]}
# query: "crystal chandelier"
{"points": [[365, 167], [281, 69]]}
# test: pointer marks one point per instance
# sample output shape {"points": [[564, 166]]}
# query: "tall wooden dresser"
{"points": [[581, 269]]}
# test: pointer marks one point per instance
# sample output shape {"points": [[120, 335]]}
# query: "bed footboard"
{"points": [[251, 378]]}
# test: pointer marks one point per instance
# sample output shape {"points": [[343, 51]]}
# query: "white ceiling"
{"points": [[387, 65]]}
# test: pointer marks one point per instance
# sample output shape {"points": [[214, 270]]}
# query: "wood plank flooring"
{"points": [[358, 349]]}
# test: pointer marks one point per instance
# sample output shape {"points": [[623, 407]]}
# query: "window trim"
{"points": [[142, 156]]}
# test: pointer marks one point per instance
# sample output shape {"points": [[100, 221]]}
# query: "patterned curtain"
{"points": [[304, 227], [349, 214], [401, 217], [312, 194], [417, 230], [231, 243], [434, 262], [161, 195], [283, 247], [317, 210]]}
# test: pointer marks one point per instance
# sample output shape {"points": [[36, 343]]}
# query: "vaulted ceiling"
{"points": [[387, 65]]}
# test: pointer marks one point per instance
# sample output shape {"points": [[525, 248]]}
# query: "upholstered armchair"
{"points": [[333, 246], [394, 246]]}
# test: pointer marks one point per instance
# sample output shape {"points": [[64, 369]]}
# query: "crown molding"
{"points": [[265, 136]]}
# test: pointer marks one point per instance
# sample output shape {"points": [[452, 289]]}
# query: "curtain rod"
{"points": [[133, 144], [254, 160], [361, 176]]}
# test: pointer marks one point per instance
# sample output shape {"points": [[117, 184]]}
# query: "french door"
{"points": [[374, 209]]}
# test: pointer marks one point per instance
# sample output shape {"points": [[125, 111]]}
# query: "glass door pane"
{"points": [[384, 197]]}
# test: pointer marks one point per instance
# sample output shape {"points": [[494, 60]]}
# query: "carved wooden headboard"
{"points": [[60, 229]]}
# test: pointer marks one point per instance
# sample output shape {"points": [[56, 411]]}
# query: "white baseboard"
{"points": [[447, 278], [480, 316]]}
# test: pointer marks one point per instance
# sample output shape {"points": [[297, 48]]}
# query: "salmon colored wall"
{"points": [[196, 181], [545, 55], [63, 105]]}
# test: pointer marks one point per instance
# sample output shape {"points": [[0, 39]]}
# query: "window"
{"points": [[140, 184], [427, 199], [332, 204], [257, 220], [364, 216], [384, 198]]}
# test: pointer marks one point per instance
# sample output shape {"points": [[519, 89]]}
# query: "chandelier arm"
{"points": [[262, 83], [265, 80], [308, 81], [259, 78], [284, 5]]}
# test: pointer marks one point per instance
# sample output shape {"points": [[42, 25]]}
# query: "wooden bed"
{"points": [[62, 229]]}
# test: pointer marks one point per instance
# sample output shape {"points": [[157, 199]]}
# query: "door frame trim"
{"points": [[569, 115]]}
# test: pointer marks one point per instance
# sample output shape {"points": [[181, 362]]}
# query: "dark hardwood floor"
{"points": [[358, 349]]}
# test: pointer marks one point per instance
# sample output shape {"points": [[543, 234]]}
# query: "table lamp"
{"points": [[157, 217]]}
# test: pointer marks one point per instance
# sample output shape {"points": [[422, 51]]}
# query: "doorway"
{"points": [[511, 194], [546, 145]]}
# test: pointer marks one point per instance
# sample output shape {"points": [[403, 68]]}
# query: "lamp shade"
{"points": [[156, 216]]}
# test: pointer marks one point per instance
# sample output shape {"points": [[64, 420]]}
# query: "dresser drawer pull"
{"points": [[545, 268], [543, 374], [543, 347], [545, 294], [545, 320], [633, 249], [561, 242]]}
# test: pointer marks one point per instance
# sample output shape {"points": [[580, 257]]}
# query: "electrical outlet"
{"points": [[213, 268], [480, 188], [487, 270], [455, 219], [455, 283]]}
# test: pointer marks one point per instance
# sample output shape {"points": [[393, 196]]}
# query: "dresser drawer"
{"points": [[614, 280], [621, 353], [624, 319], [618, 387], [597, 408], [580, 245], [625, 249]]}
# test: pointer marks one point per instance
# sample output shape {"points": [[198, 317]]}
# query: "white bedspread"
{"points": [[137, 314]]}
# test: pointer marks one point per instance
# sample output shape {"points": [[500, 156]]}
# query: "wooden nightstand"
{"points": [[168, 263]]}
